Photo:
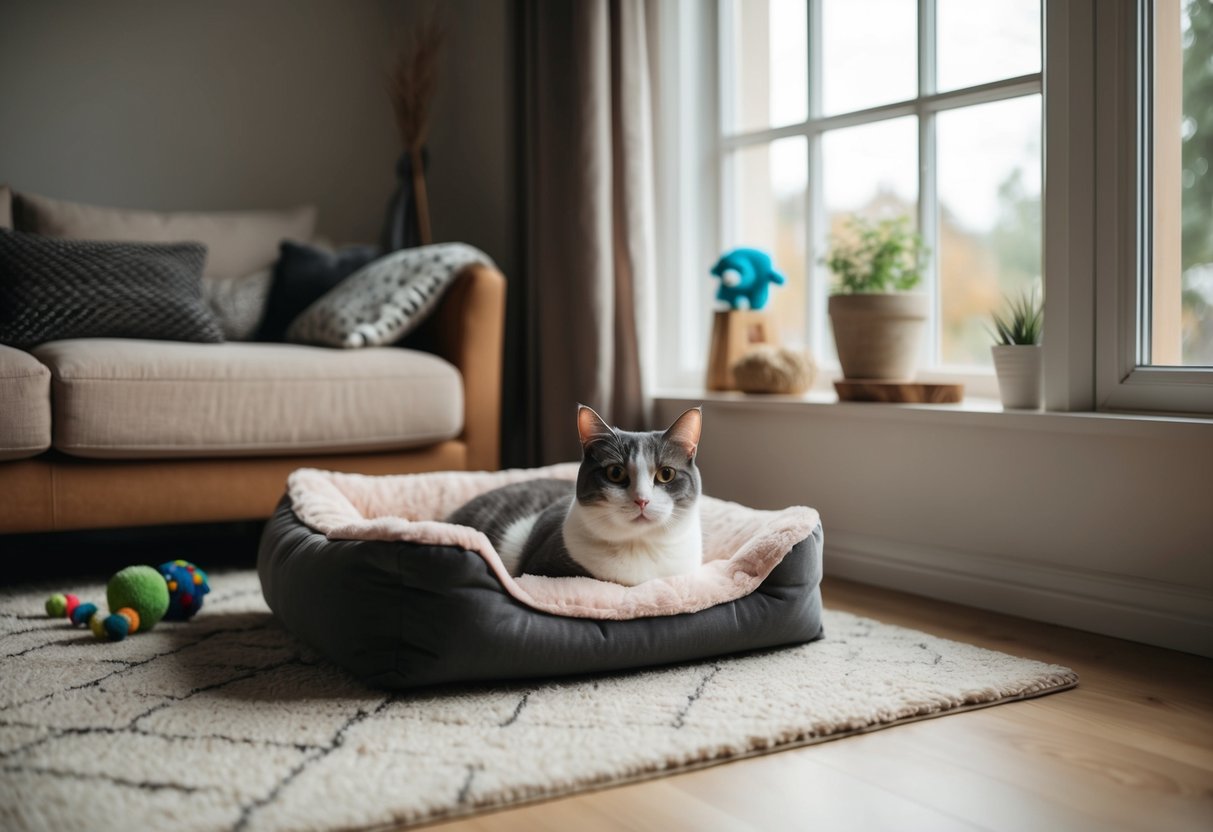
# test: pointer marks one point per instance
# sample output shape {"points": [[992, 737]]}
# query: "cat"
{"points": [[631, 516]]}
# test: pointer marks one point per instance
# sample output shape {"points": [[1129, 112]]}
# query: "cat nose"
{"points": [[641, 501]]}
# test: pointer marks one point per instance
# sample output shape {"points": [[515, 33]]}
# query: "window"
{"points": [[928, 109], [1147, 204], [777, 117], [1179, 319]]}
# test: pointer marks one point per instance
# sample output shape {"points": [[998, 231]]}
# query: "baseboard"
{"points": [[1152, 612]]}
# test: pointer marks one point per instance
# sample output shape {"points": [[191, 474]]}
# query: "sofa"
{"points": [[116, 432]]}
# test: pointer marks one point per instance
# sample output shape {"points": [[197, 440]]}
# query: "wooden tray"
{"points": [[904, 392]]}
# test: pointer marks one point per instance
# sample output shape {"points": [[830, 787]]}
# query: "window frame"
{"points": [[1098, 127], [1094, 154]]}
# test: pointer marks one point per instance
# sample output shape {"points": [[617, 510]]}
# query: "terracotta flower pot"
{"points": [[878, 336], [1019, 375]]}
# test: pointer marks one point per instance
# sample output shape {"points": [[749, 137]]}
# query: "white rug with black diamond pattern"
{"points": [[226, 722]]}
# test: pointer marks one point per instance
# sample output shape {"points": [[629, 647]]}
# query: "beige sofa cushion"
{"points": [[238, 243], [119, 399], [25, 404]]}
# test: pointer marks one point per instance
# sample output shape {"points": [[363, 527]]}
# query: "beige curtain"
{"points": [[586, 300]]}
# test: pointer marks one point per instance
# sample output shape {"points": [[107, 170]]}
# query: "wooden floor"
{"points": [[1130, 748]]}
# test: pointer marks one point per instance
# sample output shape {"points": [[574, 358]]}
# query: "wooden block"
{"points": [[734, 333], [904, 392]]}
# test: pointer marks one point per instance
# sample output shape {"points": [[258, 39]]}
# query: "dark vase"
{"points": [[400, 227]]}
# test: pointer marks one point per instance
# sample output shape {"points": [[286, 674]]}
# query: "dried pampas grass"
{"points": [[411, 82]]}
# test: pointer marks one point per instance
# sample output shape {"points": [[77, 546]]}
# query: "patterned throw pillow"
{"points": [[52, 289], [386, 299]]}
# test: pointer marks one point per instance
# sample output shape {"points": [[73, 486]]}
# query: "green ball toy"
{"points": [[142, 589], [56, 606]]}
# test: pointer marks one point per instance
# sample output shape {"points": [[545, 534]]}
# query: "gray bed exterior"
{"points": [[403, 615]]}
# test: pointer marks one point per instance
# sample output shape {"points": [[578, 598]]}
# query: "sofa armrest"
{"points": [[467, 329]]}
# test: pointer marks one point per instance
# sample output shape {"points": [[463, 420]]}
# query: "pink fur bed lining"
{"points": [[741, 545]]}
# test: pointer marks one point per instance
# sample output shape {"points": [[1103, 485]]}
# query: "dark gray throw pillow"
{"points": [[52, 288], [302, 275]]}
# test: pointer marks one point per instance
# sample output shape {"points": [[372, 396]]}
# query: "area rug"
{"points": [[226, 722]]}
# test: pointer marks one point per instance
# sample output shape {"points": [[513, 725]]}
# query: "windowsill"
{"points": [[973, 411]]}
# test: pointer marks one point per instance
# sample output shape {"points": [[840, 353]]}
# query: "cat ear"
{"points": [[685, 431], [591, 427]]}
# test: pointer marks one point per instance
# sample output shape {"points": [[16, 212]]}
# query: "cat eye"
{"points": [[665, 474], [616, 473]]}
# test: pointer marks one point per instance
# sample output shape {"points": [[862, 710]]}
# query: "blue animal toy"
{"points": [[745, 275]]}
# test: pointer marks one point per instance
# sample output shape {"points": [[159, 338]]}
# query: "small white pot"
{"points": [[1019, 375]]}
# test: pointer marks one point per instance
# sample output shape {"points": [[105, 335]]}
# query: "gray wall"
{"points": [[473, 145], [1089, 520], [180, 104]]}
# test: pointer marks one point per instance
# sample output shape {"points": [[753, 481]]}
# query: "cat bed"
{"points": [[364, 571]]}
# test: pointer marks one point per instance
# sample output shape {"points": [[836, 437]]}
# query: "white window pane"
{"points": [[871, 170], [869, 53], [1181, 325], [768, 214], [770, 55], [989, 219], [986, 40]]}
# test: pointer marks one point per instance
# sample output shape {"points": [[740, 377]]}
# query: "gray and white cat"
{"points": [[633, 514]]}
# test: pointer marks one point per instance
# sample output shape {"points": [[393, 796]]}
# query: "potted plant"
{"points": [[1017, 353], [877, 322]]}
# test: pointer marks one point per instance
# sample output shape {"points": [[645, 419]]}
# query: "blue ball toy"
{"points": [[116, 627], [746, 275], [82, 613], [186, 586]]}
